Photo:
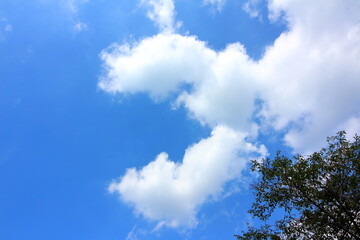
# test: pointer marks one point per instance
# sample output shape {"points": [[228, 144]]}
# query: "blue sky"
{"points": [[138, 119]]}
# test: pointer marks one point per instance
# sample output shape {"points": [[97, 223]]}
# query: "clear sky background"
{"points": [[137, 119]]}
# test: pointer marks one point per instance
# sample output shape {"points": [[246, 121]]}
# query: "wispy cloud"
{"points": [[136, 233], [162, 13], [8, 28], [218, 4], [252, 7], [5, 28], [80, 26], [72, 6]]}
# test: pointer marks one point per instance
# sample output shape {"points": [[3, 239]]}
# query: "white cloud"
{"points": [[227, 91], [162, 13], [157, 65], [170, 192], [352, 126], [312, 72], [160, 65], [308, 81], [311, 67]]}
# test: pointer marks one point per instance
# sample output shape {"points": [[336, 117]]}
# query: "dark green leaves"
{"points": [[320, 193]]}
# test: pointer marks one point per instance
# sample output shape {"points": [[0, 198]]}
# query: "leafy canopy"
{"points": [[319, 193]]}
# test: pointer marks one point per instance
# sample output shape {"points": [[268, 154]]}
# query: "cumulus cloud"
{"points": [[306, 85], [160, 65], [157, 65], [312, 72], [308, 79], [170, 192]]}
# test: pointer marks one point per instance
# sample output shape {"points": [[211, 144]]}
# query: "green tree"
{"points": [[319, 193]]}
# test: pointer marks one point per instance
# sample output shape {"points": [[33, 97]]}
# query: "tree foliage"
{"points": [[319, 193]]}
